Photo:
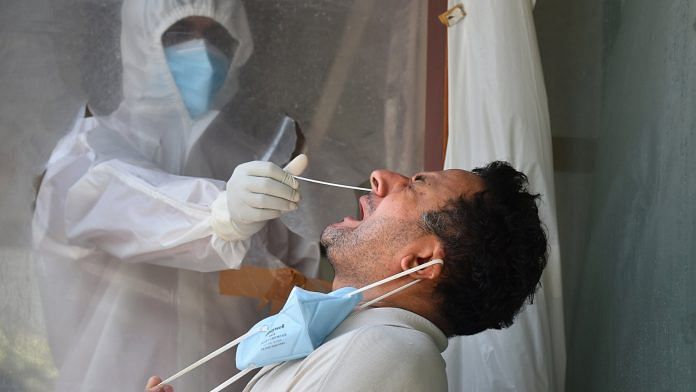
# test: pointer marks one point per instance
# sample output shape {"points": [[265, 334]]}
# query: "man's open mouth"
{"points": [[352, 222]]}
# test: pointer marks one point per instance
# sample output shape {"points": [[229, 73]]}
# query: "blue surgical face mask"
{"points": [[199, 70], [300, 327]]}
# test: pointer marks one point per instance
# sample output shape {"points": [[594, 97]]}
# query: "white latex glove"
{"points": [[257, 191]]}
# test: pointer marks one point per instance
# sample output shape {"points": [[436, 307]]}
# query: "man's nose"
{"points": [[385, 181]]}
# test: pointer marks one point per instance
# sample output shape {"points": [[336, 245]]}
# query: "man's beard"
{"points": [[338, 241], [355, 252], [337, 238]]}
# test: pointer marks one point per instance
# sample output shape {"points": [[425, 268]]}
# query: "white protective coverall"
{"points": [[125, 250]]}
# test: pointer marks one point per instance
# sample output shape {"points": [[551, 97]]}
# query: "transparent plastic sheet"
{"points": [[355, 86], [39, 96], [498, 111], [268, 285], [354, 82], [351, 73]]}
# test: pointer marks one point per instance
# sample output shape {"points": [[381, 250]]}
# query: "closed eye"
{"points": [[417, 178]]}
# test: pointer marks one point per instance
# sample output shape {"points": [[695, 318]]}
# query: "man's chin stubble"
{"points": [[338, 242], [333, 236]]}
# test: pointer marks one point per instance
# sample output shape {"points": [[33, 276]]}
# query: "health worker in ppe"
{"points": [[129, 230]]}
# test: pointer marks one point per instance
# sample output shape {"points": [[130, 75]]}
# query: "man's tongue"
{"points": [[349, 221]]}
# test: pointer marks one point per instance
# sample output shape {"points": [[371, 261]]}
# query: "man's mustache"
{"points": [[371, 203]]}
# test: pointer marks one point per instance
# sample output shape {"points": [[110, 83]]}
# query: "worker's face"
{"points": [[195, 27], [364, 249]]}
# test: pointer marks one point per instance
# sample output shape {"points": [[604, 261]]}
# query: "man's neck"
{"points": [[428, 312], [409, 300]]}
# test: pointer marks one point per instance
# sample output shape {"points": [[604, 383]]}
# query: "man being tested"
{"points": [[483, 224]]}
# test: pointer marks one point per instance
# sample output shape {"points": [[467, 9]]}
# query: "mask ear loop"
{"points": [[232, 379], [213, 355], [396, 276], [383, 296]]}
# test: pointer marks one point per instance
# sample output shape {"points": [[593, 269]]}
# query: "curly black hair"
{"points": [[495, 251]]}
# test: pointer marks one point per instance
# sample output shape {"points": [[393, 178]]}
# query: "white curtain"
{"points": [[498, 111]]}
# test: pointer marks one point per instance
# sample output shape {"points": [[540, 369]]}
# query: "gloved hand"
{"points": [[257, 191]]}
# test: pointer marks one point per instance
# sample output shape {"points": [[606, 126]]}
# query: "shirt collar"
{"points": [[391, 316]]}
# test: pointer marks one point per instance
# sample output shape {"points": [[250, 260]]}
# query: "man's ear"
{"points": [[427, 250]]}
